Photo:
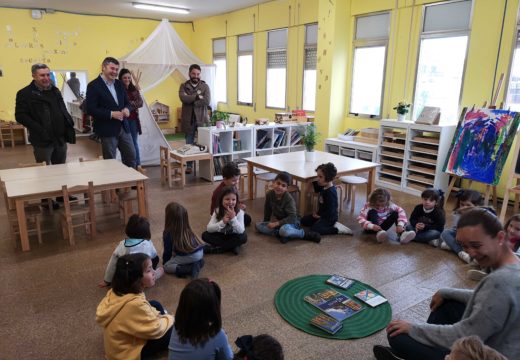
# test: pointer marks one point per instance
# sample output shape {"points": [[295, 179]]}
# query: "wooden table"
{"points": [[183, 159], [42, 182], [305, 172]]}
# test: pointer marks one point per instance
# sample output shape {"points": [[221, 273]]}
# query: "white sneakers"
{"points": [[435, 242], [342, 229], [444, 246], [406, 237], [381, 236]]}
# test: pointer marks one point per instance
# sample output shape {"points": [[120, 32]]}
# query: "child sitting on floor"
{"points": [[138, 241], [380, 214], [466, 199], [325, 220], [198, 332], [260, 347], [280, 205], [428, 219], [230, 177], [133, 327], [225, 230], [183, 250]]}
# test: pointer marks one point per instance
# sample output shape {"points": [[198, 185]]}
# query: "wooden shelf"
{"points": [[426, 140], [424, 159], [423, 170], [393, 145], [390, 172], [391, 163], [421, 179]]}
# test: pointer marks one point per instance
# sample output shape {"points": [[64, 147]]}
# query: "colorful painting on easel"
{"points": [[481, 144]]}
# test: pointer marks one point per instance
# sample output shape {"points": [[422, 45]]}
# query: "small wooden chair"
{"points": [[6, 134], [127, 200], [82, 208], [32, 214], [108, 196], [268, 177], [170, 169]]}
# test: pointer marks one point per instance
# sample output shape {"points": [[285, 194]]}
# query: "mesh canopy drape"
{"points": [[161, 54]]}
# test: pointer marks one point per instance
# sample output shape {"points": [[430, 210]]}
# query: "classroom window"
{"points": [[442, 55], [513, 91], [368, 65], [219, 60], [245, 70], [309, 67], [276, 73]]}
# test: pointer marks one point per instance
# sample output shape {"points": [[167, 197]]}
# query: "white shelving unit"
{"points": [[353, 149], [234, 143], [412, 155], [278, 138], [225, 145]]}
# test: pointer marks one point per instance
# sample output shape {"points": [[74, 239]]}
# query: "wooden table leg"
{"points": [[250, 175], [303, 197], [141, 199], [22, 224], [183, 172], [371, 181]]}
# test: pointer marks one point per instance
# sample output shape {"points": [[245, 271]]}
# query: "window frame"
{"points": [[307, 47], [515, 47], [246, 53], [220, 56], [366, 43], [442, 34], [267, 51]]}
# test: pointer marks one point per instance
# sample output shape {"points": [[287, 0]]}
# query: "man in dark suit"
{"points": [[108, 104]]}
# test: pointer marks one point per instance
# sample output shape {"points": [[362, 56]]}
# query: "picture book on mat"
{"points": [[340, 281], [334, 304], [326, 323], [370, 298]]}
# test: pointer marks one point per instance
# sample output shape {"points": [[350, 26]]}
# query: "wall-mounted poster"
{"points": [[481, 144]]}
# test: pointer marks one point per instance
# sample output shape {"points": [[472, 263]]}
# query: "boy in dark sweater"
{"points": [[231, 176], [280, 217], [325, 220]]}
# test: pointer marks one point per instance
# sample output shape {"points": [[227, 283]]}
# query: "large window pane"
{"points": [[276, 88], [439, 76], [367, 80], [513, 92], [220, 80], [245, 79]]}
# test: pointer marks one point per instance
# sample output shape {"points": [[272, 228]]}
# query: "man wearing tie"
{"points": [[108, 104]]}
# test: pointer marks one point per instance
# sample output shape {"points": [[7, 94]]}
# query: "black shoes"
{"points": [[312, 236], [236, 250], [384, 353]]}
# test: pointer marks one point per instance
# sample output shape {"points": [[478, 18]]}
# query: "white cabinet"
{"points": [[353, 149], [278, 138], [232, 143], [235, 143], [412, 155]]}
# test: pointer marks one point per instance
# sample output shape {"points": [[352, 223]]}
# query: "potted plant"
{"points": [[219, 119], [402, 109], [310, 139]]}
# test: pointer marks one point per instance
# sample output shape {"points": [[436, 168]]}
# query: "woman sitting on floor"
{"points": [[491, 311]]}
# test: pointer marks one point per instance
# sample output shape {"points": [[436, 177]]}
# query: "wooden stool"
{"points": [[268, 177], [241, 183], [350, 192]]}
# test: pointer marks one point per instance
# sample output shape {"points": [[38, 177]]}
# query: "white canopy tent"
{"points": [[161, 55]]}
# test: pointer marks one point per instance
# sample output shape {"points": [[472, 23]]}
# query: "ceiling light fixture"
{"points": [[161, 8]]}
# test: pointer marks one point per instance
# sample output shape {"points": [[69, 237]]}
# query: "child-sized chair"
{"points": [[127, 199], [170, 169], [83, 208]]}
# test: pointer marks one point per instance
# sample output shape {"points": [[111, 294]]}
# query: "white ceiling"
{"points": [[198, 8]]}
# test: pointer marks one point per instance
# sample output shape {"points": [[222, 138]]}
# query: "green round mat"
{"points": [[291, 306]]}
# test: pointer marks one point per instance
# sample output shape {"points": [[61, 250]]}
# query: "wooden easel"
{"points": [[512, 185], [489, 188]]}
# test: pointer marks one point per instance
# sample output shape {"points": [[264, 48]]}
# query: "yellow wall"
{"points": [[71, 42]]}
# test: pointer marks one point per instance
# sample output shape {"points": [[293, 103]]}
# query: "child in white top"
{"points": [[138, 241], [226, 230], [380, 214]]}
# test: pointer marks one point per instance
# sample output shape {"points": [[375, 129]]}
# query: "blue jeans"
{"points": [[133, 132], [285, 231], [124, 143], [424, 236], [449, 237], [190, 139], [404, 346], [154, 346], [171, 265]]}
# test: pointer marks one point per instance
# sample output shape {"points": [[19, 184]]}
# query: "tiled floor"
{"points": [[49, 295]]}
